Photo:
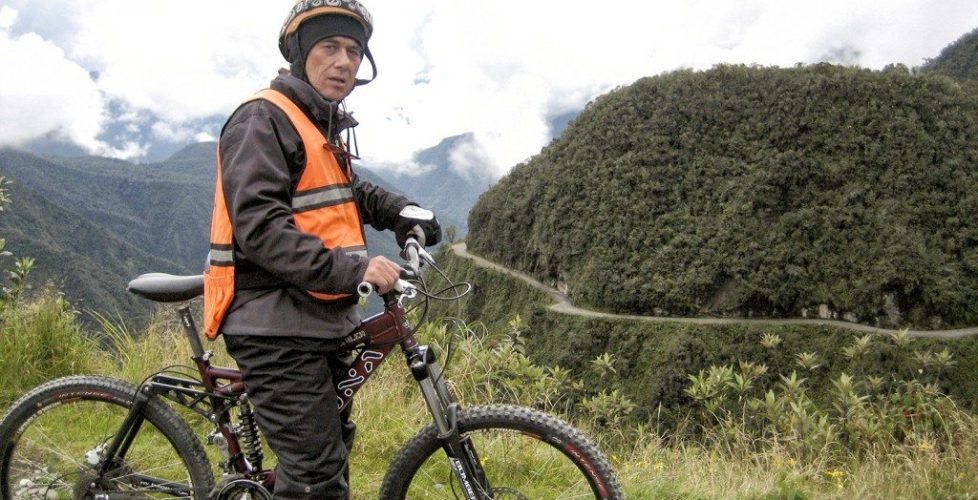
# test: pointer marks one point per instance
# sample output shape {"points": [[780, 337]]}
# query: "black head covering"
{"points": [[318, 28]]}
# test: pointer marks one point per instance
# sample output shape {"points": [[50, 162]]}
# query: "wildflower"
{"points": [[658, 466], [836, 476], [834, 473]]}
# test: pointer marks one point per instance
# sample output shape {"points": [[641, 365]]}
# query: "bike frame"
{"points": [[221, 389]]}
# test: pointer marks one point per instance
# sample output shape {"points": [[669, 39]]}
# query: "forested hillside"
{"points": [[958, 60], [752, 191], [91, 229], [92, 223]]}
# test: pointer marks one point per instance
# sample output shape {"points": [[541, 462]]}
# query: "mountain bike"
{"points": [[95, 437]]}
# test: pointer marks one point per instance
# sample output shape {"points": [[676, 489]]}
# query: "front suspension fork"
{"points": [[462, 455]]}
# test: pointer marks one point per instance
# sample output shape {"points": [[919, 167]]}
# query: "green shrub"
{"points": [[652, 360]]}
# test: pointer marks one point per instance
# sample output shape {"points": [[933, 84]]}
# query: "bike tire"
{"points": [[524, 453], [46, 434]]}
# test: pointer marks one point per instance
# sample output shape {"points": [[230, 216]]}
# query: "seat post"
{"points": [[186, 318]]}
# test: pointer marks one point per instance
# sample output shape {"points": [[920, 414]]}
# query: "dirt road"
{"points": [[562, 304]]}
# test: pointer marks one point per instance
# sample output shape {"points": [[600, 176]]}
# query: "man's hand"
{"points": [[382, 273], [419, 221]]}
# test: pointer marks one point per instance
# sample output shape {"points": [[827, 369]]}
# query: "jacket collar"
{"points": [[325, 113]]}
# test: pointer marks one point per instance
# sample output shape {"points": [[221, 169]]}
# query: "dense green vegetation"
{"points": [[42, 339], [753, 191], [92, 224], [653, 360], [958, 59], [899, 437]]}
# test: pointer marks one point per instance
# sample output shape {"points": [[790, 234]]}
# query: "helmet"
{"points": [[303, 10]]}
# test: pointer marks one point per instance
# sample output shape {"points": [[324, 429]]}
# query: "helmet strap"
{"points": [[373, 67]]}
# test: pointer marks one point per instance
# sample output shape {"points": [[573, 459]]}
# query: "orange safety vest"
{"points": [[323, 205]]}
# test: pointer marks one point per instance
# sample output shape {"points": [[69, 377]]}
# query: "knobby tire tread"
{"points": [[112, 391], [418, 449]]}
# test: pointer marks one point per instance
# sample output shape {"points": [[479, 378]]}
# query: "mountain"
{"points": [[751, 191], [93, 223], [440, 187], [957, 60], [87, 258], [125, 130]]}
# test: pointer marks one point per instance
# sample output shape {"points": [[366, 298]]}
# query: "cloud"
{"points": [[179, 64], [499, 72], [446, 67], [42, 92], [469, 158]]}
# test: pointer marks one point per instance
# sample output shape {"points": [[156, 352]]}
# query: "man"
{"points": [[287, 244]]}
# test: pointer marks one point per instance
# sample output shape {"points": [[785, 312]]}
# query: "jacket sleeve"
{"points": [[257, 148], [378, 207]]}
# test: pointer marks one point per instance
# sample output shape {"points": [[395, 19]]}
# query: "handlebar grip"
{"points": [[418, 234], [365, 289]]}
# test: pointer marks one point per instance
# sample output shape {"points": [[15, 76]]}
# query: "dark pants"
{"points": [[290, 382]]}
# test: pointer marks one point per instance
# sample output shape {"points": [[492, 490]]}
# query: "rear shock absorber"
{"points": [[248, 432]]}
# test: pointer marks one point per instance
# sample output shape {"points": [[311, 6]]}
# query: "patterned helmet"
{"points": [[303, 10]]}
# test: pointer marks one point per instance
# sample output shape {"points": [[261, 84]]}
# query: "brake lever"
{"points": [[426, 257]]}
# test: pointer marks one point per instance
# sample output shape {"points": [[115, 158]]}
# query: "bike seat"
{"points": [[161, 287]]}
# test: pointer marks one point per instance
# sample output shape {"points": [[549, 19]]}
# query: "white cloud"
{"points": [[179, 61], [42, 92], [469, 157], [499, 71], [446, 67], [7, 17]]}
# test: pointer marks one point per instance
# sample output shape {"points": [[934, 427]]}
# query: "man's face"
{"points": [[332, 66]]}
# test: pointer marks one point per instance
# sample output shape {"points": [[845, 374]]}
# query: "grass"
{"points": [[42, 340]]}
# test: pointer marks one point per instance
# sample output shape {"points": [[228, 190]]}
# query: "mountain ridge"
{"points": [[94, 223]]}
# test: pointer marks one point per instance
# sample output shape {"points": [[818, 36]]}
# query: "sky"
{"points": [[172, 70]]}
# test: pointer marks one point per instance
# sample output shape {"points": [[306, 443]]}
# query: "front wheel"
{"points": [[524, 454], [53, 440]]}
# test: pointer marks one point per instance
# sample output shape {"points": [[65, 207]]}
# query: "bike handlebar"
{"points": [[413, 254], [410, 254]]}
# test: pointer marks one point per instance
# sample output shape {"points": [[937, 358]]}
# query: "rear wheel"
{"points": [[53, 439], [524, 454]]}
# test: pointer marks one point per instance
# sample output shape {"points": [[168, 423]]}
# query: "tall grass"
{"points": [[42, 340]]}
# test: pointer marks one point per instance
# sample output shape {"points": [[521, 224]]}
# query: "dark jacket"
{"points": [[262, 159]]}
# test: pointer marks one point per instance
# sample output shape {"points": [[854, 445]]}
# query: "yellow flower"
{"points": [[658, 466], [837, 476], [835, 473]]}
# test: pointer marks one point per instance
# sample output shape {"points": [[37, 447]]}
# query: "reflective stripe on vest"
{"points": [[323, 205]]}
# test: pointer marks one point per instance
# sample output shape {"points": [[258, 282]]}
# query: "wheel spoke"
{"points": [[62, 431], [523, 453]]}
